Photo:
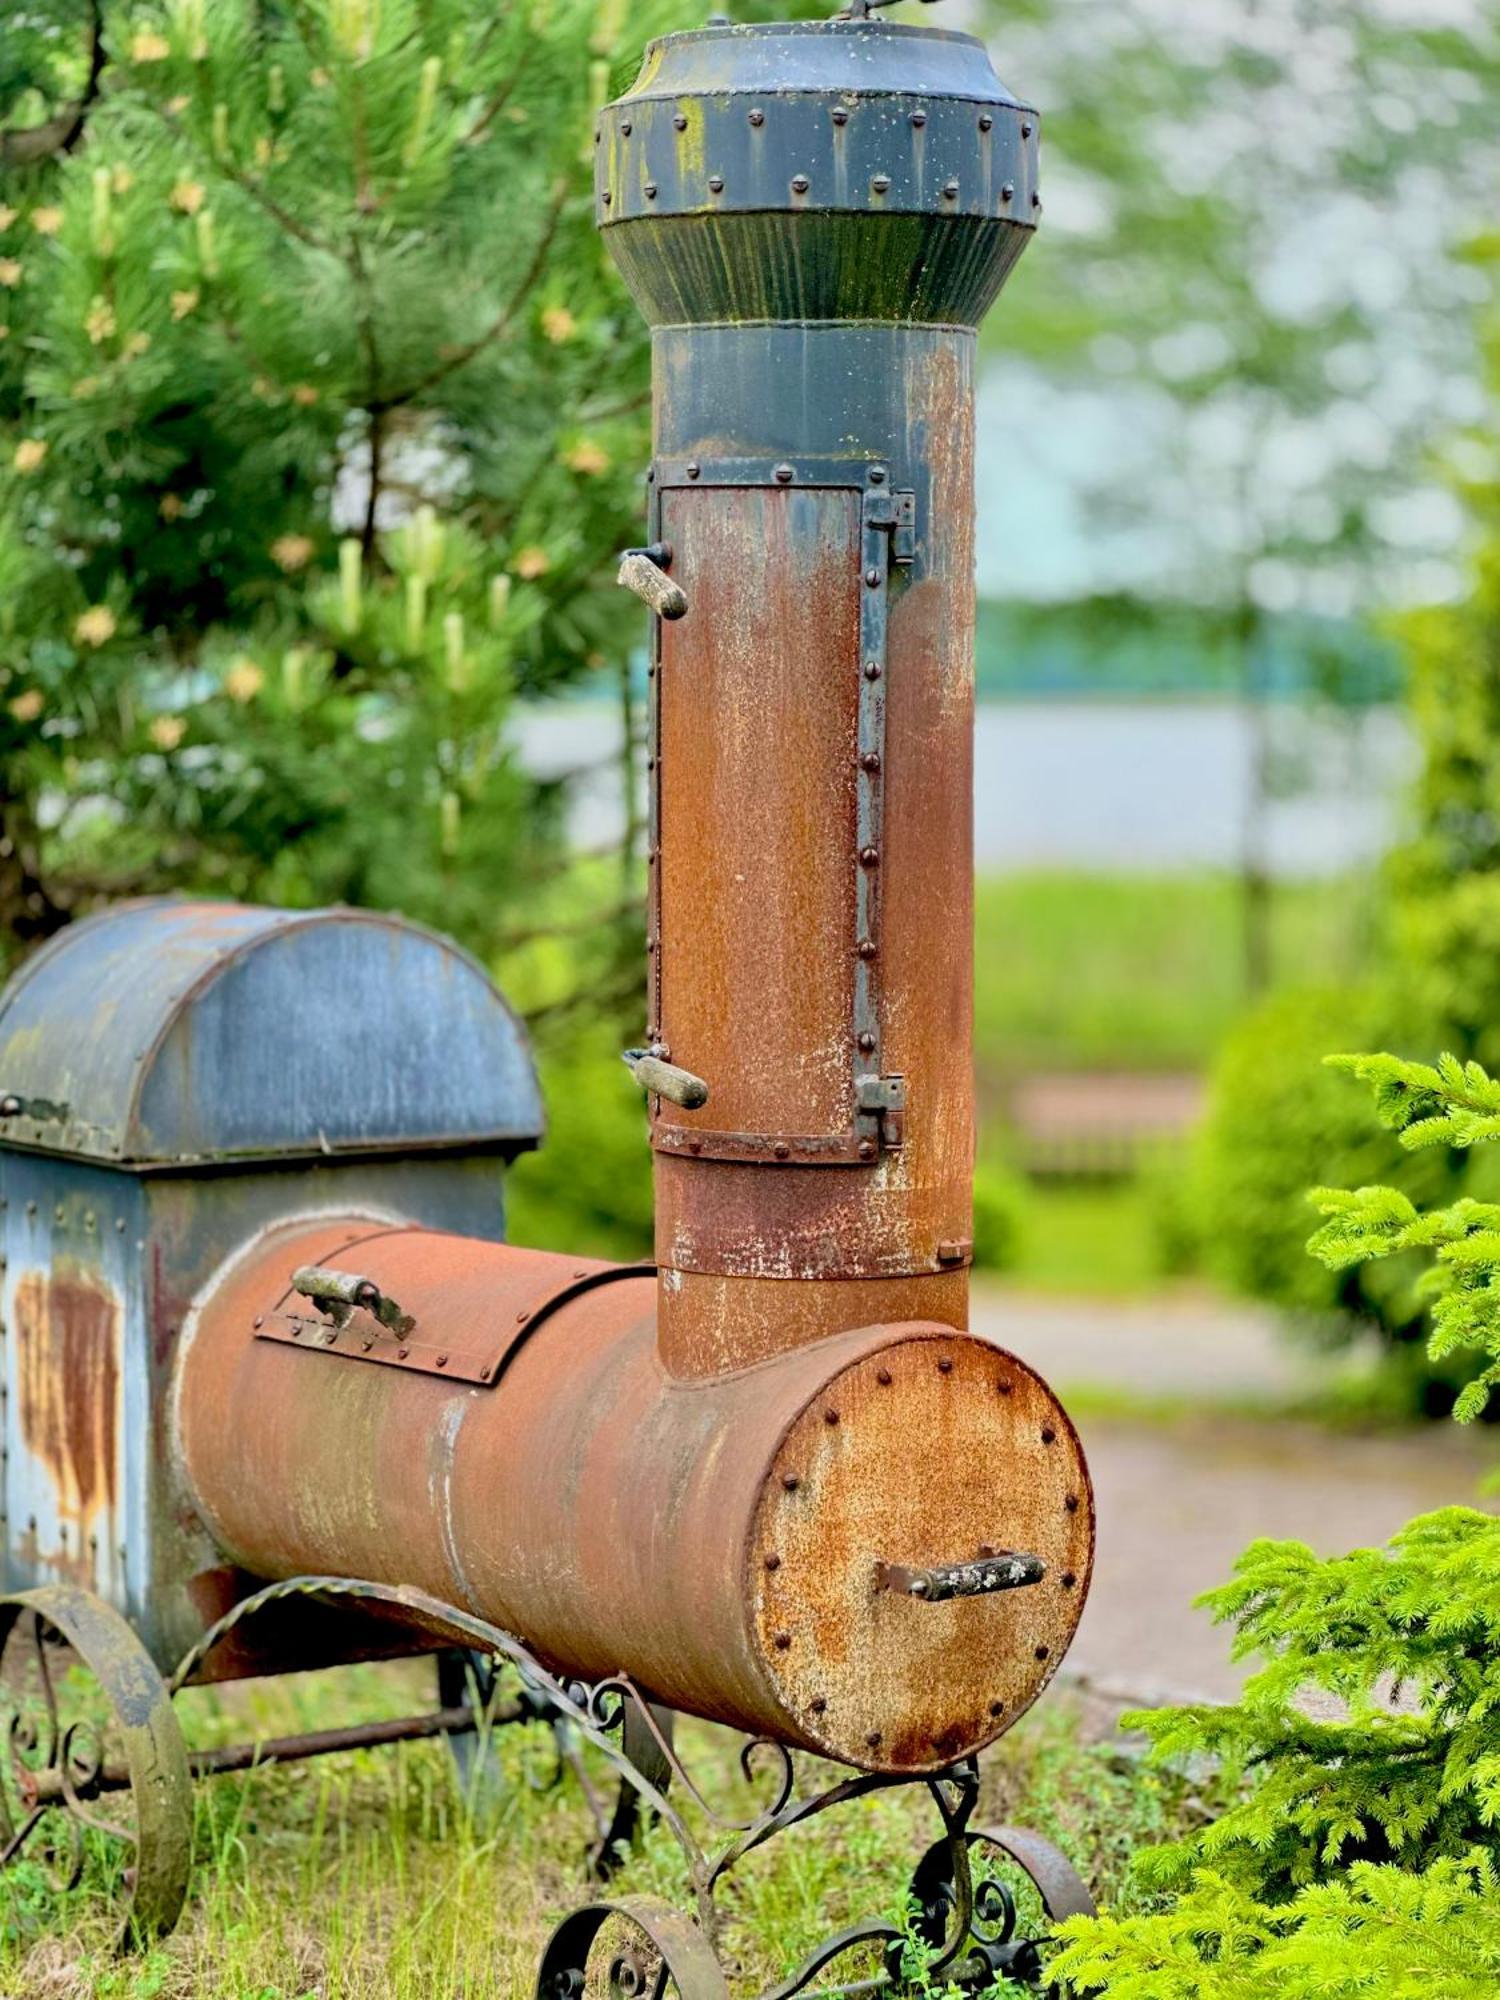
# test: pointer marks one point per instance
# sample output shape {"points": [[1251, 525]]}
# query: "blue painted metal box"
{"points": [[174, 1078]]}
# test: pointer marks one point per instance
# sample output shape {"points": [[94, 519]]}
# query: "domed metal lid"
{"points": [[855, 56], [168, 1034]]}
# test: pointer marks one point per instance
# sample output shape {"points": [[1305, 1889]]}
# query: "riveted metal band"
{"points": [[886, 153], [887, 545]]}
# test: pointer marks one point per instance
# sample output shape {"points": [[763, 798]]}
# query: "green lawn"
{"points": [[1078, 971], [371, 1876]]}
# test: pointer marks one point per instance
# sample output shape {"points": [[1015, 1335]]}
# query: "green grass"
{"points": [[370, 1876], [1087, 1238], [1078, 971]]}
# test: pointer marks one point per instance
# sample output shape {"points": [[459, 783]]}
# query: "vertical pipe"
{"points": [[814, 219]]}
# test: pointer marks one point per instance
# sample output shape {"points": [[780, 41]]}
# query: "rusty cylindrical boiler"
{"points": [[776, 1484]]}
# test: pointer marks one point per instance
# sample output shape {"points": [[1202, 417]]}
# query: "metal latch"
{"points": [[1002, 1570], [883, 1097], [644, 571], [897, 512], [337, 1293]]}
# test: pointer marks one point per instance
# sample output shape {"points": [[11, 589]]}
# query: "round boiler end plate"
{"points": [[932, 1453]]}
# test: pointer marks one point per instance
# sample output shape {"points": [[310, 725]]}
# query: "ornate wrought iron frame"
{"points": [[965, 1925]]}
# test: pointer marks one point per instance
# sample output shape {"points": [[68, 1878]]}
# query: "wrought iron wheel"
{"points": [[634, 1949], [95, 1766], [984, 1906]]}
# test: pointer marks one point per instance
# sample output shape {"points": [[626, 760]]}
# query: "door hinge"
{"points": [[883, 1098], [896, 512]]}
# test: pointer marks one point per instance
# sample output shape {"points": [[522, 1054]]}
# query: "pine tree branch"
{"points": [[460, 357], [502, 96], [62, 132]]}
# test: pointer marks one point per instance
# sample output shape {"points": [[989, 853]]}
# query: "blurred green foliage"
{"points": [[1278, 1122]]}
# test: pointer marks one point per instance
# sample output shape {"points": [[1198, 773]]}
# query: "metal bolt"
{"points": [[650, 190], [866, 1041], [881, 184], [870, 761], [626, 127], [872, 670], [522, 1316], [1049, 1436], [945, 1364], [872, 578], [783, 1641], [790, 1481], [693, 468], [997, 1708], [259, 1320], [119, 1225], [781, 1149], [773, 1562], [884, 1378], [402, 1352], [1071, 1503], [819, 1704], [1026, 129], [876, 475], [866, 1149], [757, 117], [919, 119], [1036, 199], [296, 1333], [1043, 1652], [1008, 192], [442, 1361], [866, 948], [716, 183], [950, 190], [873, 1739], [830, 1416], [870, 856], [606, 197], [800, 183], [1005, 1388], [1068, 1579], [839, 114], [784, 475], [985, 121], [680, 121]]}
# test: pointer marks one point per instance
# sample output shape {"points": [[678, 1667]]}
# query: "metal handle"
{"points": [[1004, 1570], [645, 572], [861, 10], [337, 1293], [664, 1079]]}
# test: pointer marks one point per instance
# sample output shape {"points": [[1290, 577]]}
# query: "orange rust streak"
{"points": [[68, 1375], [759, 705]]}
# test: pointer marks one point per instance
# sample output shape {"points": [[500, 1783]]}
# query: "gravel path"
{"points": [[1179, 1497]]}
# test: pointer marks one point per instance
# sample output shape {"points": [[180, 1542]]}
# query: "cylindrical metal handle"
{"points": [[1004, 1570], [664, 1079], [337, 1293], [645, 572]]}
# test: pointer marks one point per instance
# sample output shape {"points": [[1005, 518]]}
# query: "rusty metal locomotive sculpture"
{"points": [[277, 1393]]}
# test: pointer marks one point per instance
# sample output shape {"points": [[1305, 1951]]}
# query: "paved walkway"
{"points": [[1179, 1496]]}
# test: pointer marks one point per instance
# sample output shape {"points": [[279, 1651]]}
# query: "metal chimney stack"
{"points": [[814, 218]]}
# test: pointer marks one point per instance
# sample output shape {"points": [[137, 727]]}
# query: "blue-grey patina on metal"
{"points": [[172, 1034], [176, 1077]]}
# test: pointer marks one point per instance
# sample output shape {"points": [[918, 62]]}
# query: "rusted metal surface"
{"points": [[479, 1302], [812, 713], [756, 775], [926, 1451], [622, 1520]]}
